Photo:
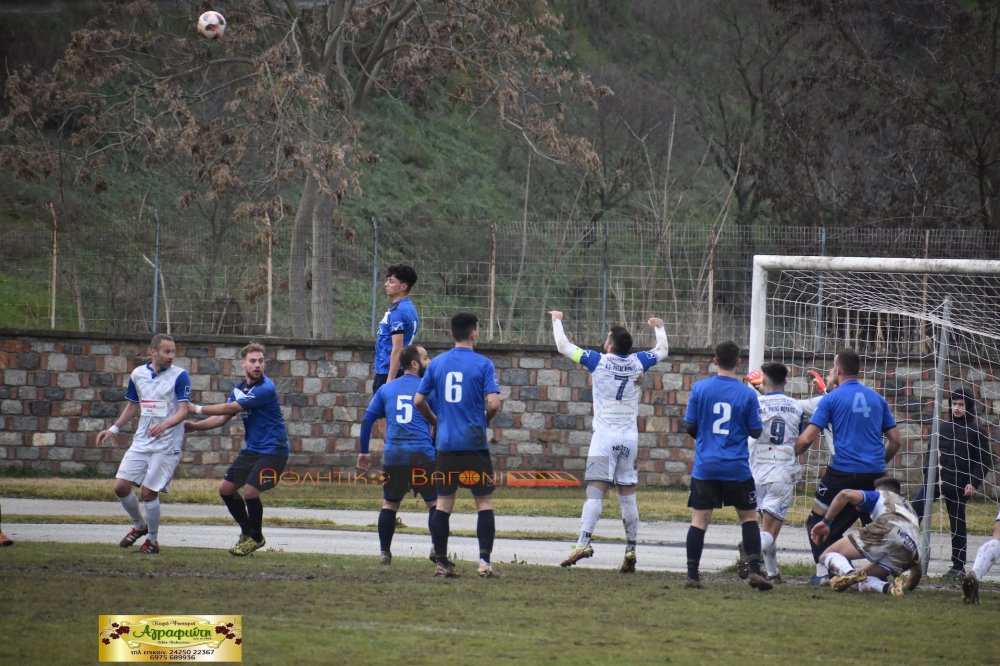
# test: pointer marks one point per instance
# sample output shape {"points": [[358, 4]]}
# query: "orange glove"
{"points": [[818, 381]]}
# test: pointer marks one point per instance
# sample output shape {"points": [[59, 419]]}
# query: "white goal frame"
{"points": [[763, 264]]}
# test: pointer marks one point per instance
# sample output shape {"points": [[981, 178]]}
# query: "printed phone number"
{"points": [[178, 655]]}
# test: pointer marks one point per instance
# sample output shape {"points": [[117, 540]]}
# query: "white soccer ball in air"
{"points": [[212, 25]]}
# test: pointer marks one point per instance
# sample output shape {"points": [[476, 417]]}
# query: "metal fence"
{"points": [[210, 278]]}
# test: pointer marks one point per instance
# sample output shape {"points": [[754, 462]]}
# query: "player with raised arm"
{"points": [[615, 441], [408, 445], [859, 417], [158, 393], [464, 387], [262, 459], [773, 462], [721, 415], [889, 542]]}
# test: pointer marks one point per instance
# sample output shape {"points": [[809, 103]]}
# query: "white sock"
{"points": [[131, 504], [837, 564], [987, 554], [588, 519], [153, 518], [770, 552], [821, 569], [630, 516], [871, 584]]}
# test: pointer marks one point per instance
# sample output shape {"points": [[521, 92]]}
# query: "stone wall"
{"points": [[58, 392]]}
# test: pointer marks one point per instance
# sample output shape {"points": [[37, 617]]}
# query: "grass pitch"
{"points": [[315, 609]]}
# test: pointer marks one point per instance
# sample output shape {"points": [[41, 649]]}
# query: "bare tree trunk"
{"points": [[298, 260], [322, 267]]}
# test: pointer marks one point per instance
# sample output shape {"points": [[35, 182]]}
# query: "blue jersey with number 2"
{"points": [[859, 416], [725, 411]]}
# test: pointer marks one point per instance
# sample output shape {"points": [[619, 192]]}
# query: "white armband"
{"points": [[198, 409], [114, 429]]}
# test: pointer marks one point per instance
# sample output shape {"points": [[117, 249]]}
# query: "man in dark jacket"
{"points": [[962, 456]]}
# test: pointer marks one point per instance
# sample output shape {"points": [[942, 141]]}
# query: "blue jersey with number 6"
{"points": [[725, 411], [407, 433], [859, 416], [459, 381]]}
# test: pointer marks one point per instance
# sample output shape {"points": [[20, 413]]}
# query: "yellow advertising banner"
{"points": [[170, 638]]}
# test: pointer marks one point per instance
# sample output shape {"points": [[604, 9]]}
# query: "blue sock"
{"points": [[486, 531], [439, 533], [386, 528]]}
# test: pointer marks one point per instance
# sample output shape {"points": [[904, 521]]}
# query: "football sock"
{"points": [[817, 549], [695, 544], [987, 554], [153, 518], [751, 542], [871, 584], [386, 528], [237, 509], [131, 505], [837, 564], [591, 513], [255, 515], [770, 552], [439, 533], [430, 518], [630, 517], [486, 530]]}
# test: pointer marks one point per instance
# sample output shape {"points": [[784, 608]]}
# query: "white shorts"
{"points": [[889, 542], [152, 469], [611, 458], [775, 498]]}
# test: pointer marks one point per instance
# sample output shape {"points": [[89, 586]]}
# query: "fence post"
{"points": [[604, 283], [156, 273], [374, 272], [493, 280]]}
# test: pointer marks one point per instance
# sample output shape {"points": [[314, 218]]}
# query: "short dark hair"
{"points": [[462, 326], [409, 354], [727, 354], [403, 273], [849, 361], [776, 372], [889, 483], [621, 340], [158, 338]]}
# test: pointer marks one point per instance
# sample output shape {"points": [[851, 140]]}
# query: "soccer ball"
{"points": [[212, 25]]}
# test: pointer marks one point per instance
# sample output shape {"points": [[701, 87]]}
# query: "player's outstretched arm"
{"points": [[128, 413], [175, 418], [565, 347], [821, 531], [662, 347], [806, 439], [210, 423]]}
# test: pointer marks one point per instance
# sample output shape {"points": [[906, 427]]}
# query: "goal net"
{"points": [[924, 328]]}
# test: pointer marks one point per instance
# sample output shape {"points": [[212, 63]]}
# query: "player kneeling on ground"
{"points": [[889, 542]]}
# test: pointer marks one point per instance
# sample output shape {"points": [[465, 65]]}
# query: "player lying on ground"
{"points": [[888, 543]]}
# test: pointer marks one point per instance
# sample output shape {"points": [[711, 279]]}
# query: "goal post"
{"points": [[923, 328]]}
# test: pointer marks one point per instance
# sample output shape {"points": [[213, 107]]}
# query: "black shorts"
{"points": [[261, 471], [833, 482], [709, 494], [381, 378], [465, 469], [397, 480]]}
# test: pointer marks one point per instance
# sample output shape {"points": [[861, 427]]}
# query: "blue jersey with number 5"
{"points": [[459, 381], [407, 433], [725, 411], [858, 416]]}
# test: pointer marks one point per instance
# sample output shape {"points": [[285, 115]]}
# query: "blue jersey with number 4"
{"points": [[407, 433], [859, 416], [459, 381], [725, 411]]}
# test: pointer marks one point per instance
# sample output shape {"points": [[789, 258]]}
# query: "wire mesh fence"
{"points": [[217, 277]]}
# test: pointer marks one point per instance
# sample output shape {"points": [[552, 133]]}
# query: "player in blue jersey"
{"points": [[409, 455], [463, 385], [398, 325], [611, 457], [158, 392], [859, 418], [262, 459], [888, 543], [721, 414]]}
